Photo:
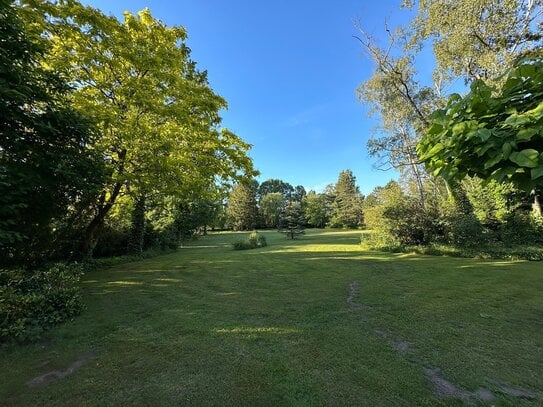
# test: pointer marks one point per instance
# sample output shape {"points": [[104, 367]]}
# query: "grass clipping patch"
{"points": [[254, 241]]}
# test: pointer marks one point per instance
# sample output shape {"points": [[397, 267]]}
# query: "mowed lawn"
{"points": [[317, 321]]}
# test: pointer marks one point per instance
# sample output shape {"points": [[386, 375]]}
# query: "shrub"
{"points": [[254, 240], [33, 300], [465, 230]]}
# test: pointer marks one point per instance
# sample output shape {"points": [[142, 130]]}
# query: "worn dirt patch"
{"points": [[55, 375], [517, 392], [444, 388], [353, 293]]}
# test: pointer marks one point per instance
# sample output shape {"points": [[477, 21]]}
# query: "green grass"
{"points": [[309, 322]]}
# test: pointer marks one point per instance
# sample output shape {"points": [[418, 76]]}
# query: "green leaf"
{"points": [[526, 134], [484, 134], [493, 161], [506, 150], [434, 150], [525, 158], [537, 172]]}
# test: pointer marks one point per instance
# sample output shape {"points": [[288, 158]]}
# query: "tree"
{"points": [[46, 167], [270, 208], [299, 193], [291, 221], [275, 185], [477, 39], [158, 117], [316, 209], [242, 211], [347, 206], [492, 132]]}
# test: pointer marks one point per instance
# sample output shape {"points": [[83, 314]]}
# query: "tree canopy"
{"points": [[492, 132]]}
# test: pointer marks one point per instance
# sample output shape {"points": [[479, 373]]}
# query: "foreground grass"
{"points": [[318, 321]]}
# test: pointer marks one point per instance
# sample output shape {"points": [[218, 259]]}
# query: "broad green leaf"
{"points": [[525, 158], [526, 134], [484, 134]]}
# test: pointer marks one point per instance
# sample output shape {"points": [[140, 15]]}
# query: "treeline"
{"points": [[268, 205], [110, 143]]}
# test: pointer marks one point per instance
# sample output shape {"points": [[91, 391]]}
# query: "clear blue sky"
{"points": [[289, 70]]}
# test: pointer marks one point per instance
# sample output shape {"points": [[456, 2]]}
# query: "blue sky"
{"points": [[289, 71]]}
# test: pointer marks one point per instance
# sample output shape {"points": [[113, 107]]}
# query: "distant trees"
{"points": [[242, 208], [340, 205], [316, 209], [270, 208]]}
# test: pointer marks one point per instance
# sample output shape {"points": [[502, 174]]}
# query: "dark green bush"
{"points": [[465, 230], [254, 240], [33, 300], [521, 228], [409, 225]]}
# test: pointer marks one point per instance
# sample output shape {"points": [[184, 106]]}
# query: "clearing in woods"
{"points": [[316, 321]]}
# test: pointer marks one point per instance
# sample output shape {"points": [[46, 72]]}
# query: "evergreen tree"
{"points": [[242, 210], [291, 221], [347, 205]]}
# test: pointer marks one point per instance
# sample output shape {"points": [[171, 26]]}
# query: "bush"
{"points": [[465, 230], [521, 228], [33, 300], [254, 240]]}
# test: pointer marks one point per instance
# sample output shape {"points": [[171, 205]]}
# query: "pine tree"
{"points": [[242, 211], [291, 221], [347, 205]]}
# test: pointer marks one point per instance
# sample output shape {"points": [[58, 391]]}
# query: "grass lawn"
{"points": [[317, 321]]}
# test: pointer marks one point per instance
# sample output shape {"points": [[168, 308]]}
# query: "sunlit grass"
{"points": [[314, 321]]}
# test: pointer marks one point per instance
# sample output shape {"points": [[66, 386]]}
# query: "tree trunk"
{"points": [[90, 237]]}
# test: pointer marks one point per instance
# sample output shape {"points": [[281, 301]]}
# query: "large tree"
{"points": [[476, 39], [492, 132], [157, 115], [46, 167]]}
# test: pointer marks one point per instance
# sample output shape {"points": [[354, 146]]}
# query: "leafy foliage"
{"points": [[32, 301], [492, 133], [476, 39], [46, 167], [270, 208], [316, 209], [158, 117]]}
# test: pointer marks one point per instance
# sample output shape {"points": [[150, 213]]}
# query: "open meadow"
{"points": [[315, 321]]}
